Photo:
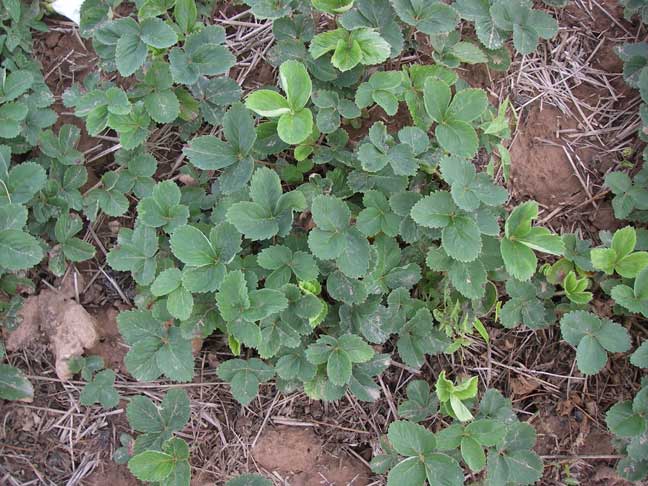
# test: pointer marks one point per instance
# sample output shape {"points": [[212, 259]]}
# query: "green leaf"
{"points": [[284, 262], [467, 105], [151, 465], [436, 96], [623, 421], [473, 454], [590, 356], [19, 250], [156, 33], [185, 13], [238, 127], [136, 253], [524, 307], [175, 358], [338, 367], [431, 18], [420, 403], [166, 282], [180, 303], [130, 54], [22, 183], [468, 278], [629, 266], [418, 337], [640, 357], [11, 116], [347, 55], [357, 349], [163, 208], [458, 138], [192, 247], [604, 259], [528, 25], [410, 439], [346, 289], [359, 46], [377, 216], [62, 147], [541, 239], [624, 241], [14, 385], [163, 106], [208, 152], [461, 239], [245, 376], [592, 337], [487, 432], [15, 84], [233, 295], [266, 9], [435, 210], [441, 468], [410, 471], [101, 390]]}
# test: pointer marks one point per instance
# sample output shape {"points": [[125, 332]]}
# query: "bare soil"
{"points": [[540, 164], [299, 457]]}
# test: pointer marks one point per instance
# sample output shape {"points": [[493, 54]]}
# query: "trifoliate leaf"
{"points": [[245, 376], [592, 337], [100, 390], [420, 403]]}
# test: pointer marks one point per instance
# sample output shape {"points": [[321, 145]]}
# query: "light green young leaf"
{"points": [[333, 6], [296, 83]]}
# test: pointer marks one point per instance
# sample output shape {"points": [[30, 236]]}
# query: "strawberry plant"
{"points": [[495, 20], [627, 421], [494, 440], [452, 396], [350, 48], [295, 121]]}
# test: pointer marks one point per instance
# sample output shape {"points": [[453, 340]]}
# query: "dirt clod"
{"points": [[53, 317]]}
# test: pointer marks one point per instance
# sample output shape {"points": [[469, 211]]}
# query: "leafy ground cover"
{"points": [[417, 228]]}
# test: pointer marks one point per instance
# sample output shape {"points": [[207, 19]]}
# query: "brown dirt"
{"points": [[110, 474], [541, 170], [598, 19], [109, 345], [298, 454], [394, 123]]}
